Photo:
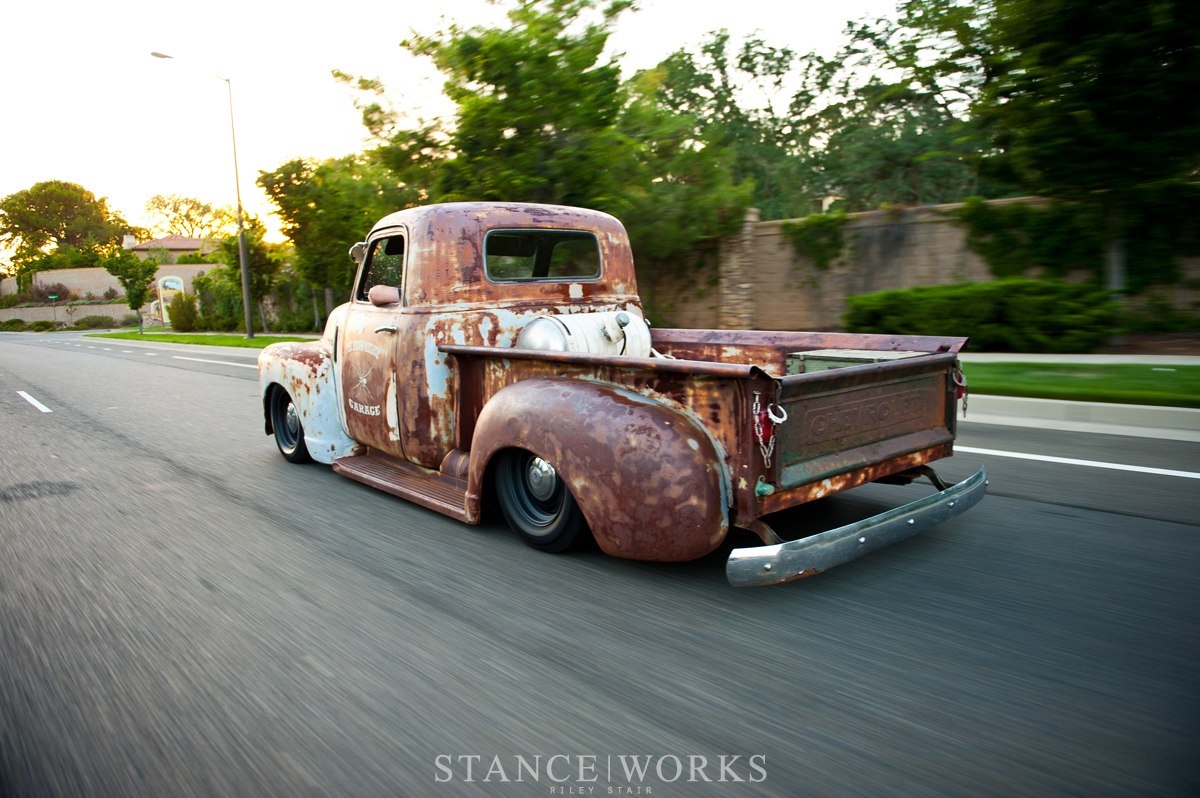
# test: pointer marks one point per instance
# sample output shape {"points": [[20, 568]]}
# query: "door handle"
{"points": [[387, 328]]}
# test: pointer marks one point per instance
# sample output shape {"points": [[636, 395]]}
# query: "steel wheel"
{"points": [[536, 502], [289, 432]]}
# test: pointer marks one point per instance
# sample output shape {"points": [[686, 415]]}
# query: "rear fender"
{"points": [[649, 478]]}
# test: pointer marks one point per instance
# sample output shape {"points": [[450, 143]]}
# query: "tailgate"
{"points": [[846, 418]]}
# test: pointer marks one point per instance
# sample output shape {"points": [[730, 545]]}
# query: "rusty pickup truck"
{"points": [[497, 354]]}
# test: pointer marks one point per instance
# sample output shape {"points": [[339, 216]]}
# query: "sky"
{"points": [[84, 101]]}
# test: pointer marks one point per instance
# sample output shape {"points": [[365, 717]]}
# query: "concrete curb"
{"points": [[1143, 421]]}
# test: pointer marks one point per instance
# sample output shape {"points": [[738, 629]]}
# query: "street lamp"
{"points": [[243, 257]]}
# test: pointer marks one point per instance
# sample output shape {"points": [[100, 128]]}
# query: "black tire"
{"points": [[536, 502], [289, 432]]}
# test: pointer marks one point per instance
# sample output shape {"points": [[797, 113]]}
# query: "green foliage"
{"points": [[12, 300], [1091, 382], [12, 325], [327, 206], [41, 292], [1058, 237], [819, 237], [110, 294], [183, 313], [197, 257], [95, 322], [131, 320], [1094, 102], [134, 274], [1013, 238], [57, 225], [219, 297], [1011, 315], [41, 325]]}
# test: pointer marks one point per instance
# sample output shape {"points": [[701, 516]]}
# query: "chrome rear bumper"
{"points": [[796, 559]]}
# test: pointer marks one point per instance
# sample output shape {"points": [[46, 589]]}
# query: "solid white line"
{"points": [[1163, 472], [217, 362], [34, 402]]}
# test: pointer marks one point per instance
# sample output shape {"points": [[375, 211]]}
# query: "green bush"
{"points": [[42, 325], [183, 313], [130, 320], [12, 300], [96, 322], [12, 325], [1013, 315]]}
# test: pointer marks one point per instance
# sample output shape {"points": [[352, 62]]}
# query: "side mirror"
{"points": [[358, 251]]}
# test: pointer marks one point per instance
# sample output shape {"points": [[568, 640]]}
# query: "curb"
{"points": [[1143, 421]]}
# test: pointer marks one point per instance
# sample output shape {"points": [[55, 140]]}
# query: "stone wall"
{"points": [[97, 281], [761, 283]]}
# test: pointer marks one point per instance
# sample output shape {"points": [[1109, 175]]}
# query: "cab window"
{"points": [[512, 255], [384, 265]]}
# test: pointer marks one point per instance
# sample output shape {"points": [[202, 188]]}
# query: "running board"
{"points": [[435, 490]]}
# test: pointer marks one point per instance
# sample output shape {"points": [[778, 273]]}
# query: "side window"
{"points": [[384, 265], [541, 255]]}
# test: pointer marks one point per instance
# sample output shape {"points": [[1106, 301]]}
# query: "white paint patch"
{"points": [[575, 291], [34, 402], [1042, 458], [217, 362]]}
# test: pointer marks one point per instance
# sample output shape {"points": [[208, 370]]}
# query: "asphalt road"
{"points": [[184, 613]]}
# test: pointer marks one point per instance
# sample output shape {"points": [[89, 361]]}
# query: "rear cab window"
{"points": [[552, 255]]}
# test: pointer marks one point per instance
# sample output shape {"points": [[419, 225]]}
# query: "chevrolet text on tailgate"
{"points": [[497, 354]]}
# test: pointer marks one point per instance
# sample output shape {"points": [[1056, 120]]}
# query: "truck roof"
{"points": [[445, 253]]}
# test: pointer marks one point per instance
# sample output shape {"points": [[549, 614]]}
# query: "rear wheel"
{"points": [[536, 503], [289, 432]]}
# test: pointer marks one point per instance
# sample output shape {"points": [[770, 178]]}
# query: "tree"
{"points": [[327, 206], [186, 216], [58, 225], [135, 276], [1094, 101], [543, 116], [262, 263]]}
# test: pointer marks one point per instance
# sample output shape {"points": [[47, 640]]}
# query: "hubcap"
{"points": [[293, 420], [541, 478]]}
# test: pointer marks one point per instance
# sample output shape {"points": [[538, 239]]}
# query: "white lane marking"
{"points": [[1162, 472], [217, 362], [34, 402]]}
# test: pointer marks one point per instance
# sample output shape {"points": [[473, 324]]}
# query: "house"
{"points": [[175, 246]]}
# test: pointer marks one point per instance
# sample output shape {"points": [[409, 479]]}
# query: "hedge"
{"points": [[1012, 315]]}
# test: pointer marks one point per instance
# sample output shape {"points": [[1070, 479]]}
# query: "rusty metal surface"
{"points": [[646, 477], [797, 559], [433, 382], [306, 371]]}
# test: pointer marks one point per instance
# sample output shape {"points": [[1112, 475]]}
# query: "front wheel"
{"points": [[536, 503], [289, 432]]}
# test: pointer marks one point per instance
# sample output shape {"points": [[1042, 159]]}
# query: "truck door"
{"points": [[368, 347]]}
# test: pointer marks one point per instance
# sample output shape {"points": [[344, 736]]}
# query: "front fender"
{"points": [[307, 372], [649, 479]]}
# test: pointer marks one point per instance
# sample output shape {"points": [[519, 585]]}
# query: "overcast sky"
{"points": [[83, 100]]}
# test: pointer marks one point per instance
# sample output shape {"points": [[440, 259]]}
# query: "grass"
{"points": [[203, 339], [1126, 383], [1172, 386]]}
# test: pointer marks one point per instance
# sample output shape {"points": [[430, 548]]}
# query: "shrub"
{"points": [[12, 300], [12, 325], [42, 325], [95, 322], [42, 293], [111, 293], [130, 320], [184, 316], [1013, 315]]}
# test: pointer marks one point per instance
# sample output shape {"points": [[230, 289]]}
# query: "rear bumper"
{"points": [[796, 559]]}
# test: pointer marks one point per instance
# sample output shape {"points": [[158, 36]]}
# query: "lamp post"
{"points": [[243, 256]]}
